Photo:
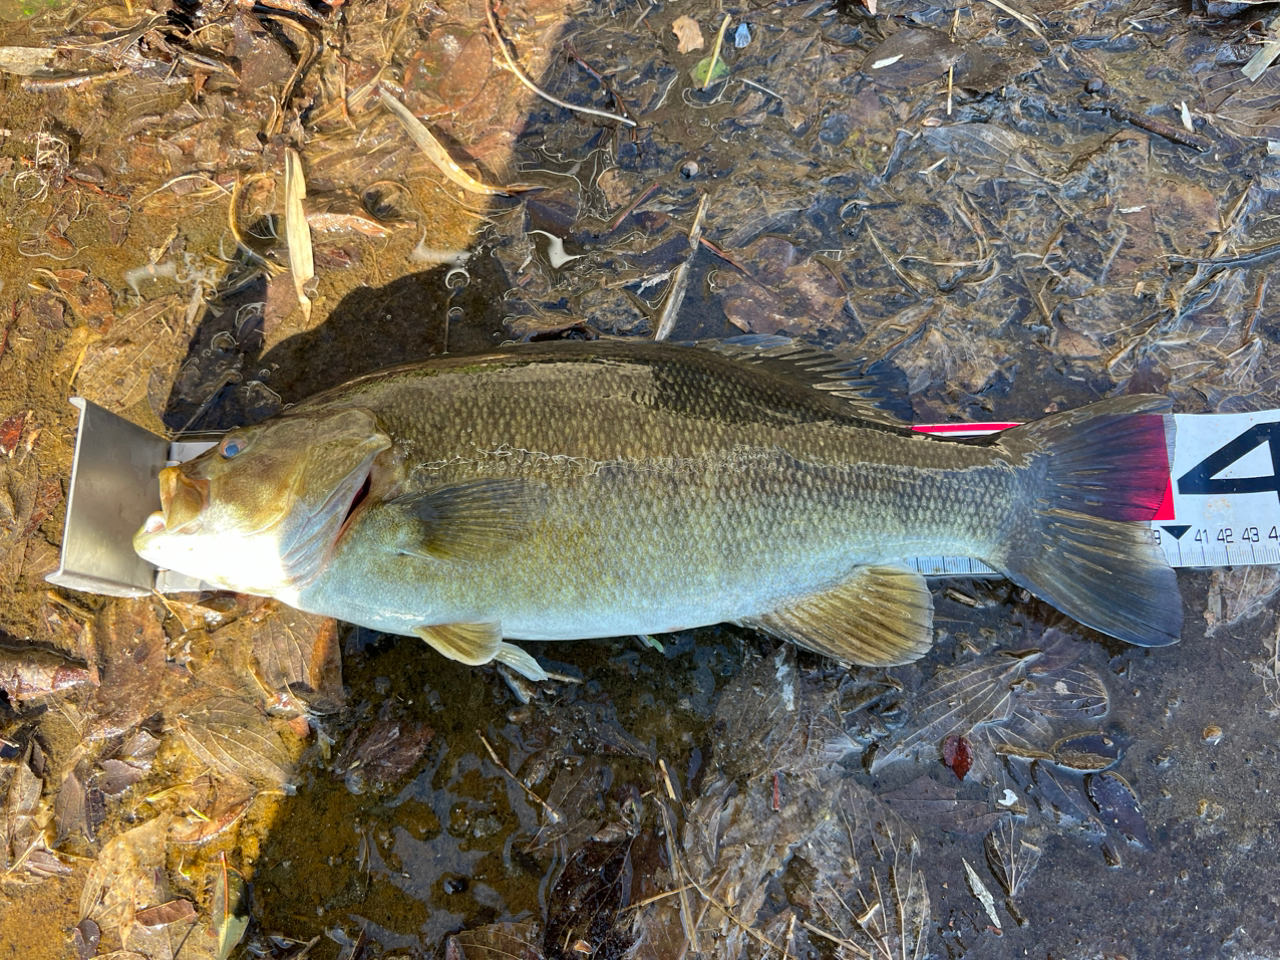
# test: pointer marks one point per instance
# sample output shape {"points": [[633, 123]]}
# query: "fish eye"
{"points": [[230, 446]]}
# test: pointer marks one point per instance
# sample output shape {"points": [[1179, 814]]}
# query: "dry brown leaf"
{"points": [[688, 34]]}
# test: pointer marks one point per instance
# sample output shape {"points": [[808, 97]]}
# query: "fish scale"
{"points": [[572, 490]]}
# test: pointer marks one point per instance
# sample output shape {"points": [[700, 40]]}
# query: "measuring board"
{"points": [[1222, 505]]}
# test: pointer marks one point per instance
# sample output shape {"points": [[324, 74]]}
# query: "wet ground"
{"points": [[1024, 208]]}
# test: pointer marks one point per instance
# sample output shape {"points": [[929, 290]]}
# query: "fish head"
{"points": [[261, 512]]}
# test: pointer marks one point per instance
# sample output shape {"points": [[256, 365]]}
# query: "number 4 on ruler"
{"points": [[1202, 479]]}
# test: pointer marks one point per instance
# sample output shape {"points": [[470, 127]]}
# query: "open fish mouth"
{"points": [[182, 500]]}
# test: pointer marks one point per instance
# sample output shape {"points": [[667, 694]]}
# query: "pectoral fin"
{"points": [[881, 616], [478, 643], [463, 521]]}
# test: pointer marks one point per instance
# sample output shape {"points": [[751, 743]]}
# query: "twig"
{"points": [[524, 78], [552, 815], [1169, 131], [629, 209], [724, 256], [659, 896], [1243, 259], [568, 48]]}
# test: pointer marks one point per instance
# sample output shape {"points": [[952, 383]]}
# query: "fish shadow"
{"points": [[228, 378]]}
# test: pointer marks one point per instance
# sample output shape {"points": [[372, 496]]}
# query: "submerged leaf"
{"points": [[577, 797], [958, 700], [498, 941], [1011, 858], [925, 800], [128, 874], [703, 73], [298, 652], [165, 913], [230, 910], [771, 719], [237, 739], [1118, 806]]}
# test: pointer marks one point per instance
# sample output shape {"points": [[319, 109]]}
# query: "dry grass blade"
{"points": [[1265, 56], [887, 916], [437, 154], [715, 52], [680, 282], [1022, 18], [498, 941], [297, 234]]}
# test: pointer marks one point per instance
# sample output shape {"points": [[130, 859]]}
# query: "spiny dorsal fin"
{"points": [[876, 391], [881, 616], [462, 521]]}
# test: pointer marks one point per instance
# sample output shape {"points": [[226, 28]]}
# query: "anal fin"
{"points": [[478, 643], [880, 616]]}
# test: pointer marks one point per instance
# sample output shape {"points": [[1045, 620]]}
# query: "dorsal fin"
{"points": [[876, 391]]}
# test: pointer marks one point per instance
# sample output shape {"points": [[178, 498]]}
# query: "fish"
{"points": [[584, 489]]}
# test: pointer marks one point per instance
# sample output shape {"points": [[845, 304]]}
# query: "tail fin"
{"points": [[1098, 475]]}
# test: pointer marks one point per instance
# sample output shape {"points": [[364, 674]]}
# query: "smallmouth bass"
{"points": [[572, 490]]}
